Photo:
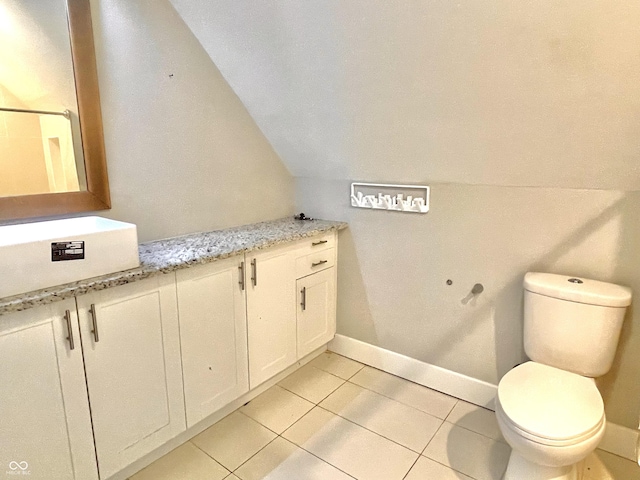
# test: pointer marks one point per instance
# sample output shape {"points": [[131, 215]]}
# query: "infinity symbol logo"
{"points": [[16, 465]]}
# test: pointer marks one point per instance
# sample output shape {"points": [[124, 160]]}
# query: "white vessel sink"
{"points": [[45, 254]]}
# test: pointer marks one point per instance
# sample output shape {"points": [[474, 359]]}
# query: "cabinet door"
{"points": [[133, 369], [316, 310], [45, 426], [271, 313], [213, 336]]}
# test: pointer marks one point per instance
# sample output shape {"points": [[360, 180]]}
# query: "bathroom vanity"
{"points": [[100, 373]]}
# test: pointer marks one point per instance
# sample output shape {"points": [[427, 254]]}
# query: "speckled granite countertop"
{"points": [[168, 255]]}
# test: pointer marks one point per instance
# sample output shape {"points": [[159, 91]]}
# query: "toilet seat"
{"points": [[543, 440], [550, 406]]}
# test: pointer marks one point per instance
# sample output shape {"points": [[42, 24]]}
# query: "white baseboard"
{"points": [[438, 378], [618, 440]]}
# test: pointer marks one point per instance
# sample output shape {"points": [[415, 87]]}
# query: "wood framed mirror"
{"points": [[92, 190]]}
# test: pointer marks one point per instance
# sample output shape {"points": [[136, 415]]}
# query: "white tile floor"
{"points": [[339, 419]]}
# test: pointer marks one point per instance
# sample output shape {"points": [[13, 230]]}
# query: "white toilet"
{"points": [[549, 409]]}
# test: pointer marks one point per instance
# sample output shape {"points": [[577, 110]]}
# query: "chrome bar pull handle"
{"points": [[241, 281], [315, 264], [67, 317], [303, 302], [320, 242], [254, 272], [94, 322]]}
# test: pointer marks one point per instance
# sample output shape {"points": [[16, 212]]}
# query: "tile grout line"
{"points": [[468, 429], [330, 393], [443, 420], [291, 426], [457, 400], [452, 409], [276, 385], [357, 372], [396, 400], [353, 423], [457, 471], [390, 398], [207, 454], [239, 466], [323, 398], [373, 391], [504, 442], [254, 420], [369, 430], [431, 440], [362, 365], [299, 446], [411, 381], [411, 468], [348, 420], [247, 416], [420, 454], [316, 456], [377, 433], [449, 466]]}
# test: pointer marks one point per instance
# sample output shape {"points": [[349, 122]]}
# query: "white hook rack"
{"points": [[417, 202]]}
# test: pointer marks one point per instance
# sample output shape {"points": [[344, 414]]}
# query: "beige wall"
{"points": [[183, 153], [480, 99], [394, 267]]}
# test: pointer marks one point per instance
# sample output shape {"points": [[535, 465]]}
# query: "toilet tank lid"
{"points": [[581, 290]]}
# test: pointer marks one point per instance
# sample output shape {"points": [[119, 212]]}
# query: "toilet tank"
{"points": [[573, 323]]}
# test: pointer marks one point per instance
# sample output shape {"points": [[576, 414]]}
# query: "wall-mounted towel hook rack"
{"points": [[383, 196]]}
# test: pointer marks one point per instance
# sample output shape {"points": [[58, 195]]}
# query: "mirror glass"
{"points": [[40, 140]]}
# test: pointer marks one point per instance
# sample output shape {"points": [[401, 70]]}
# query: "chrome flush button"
{"points": [[575, 280]]}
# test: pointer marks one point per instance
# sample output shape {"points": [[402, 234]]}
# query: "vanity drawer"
{"points": [[316, 244], [315, 262]]}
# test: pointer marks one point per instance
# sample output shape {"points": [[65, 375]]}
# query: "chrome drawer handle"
{"points": [[94, 322], [315, 244], [319, 263], [241, 282], [254, 270], [67, 317]]}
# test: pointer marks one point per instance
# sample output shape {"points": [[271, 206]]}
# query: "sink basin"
{"points": [[44, 254]]}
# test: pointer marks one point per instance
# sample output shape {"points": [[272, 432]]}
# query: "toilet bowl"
{"points": [[552, 419], [549, 409]]}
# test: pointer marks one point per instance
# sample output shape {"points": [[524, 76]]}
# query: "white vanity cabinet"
{"points": [[45, 424], [316, 290], [213, 336], [222, 339], [91, 385], [316, 317], [291, 303], [271, 312], [131, 346]]}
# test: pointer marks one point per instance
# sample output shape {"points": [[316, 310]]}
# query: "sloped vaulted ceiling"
{"points": [[540, 93], [277, 58]]}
